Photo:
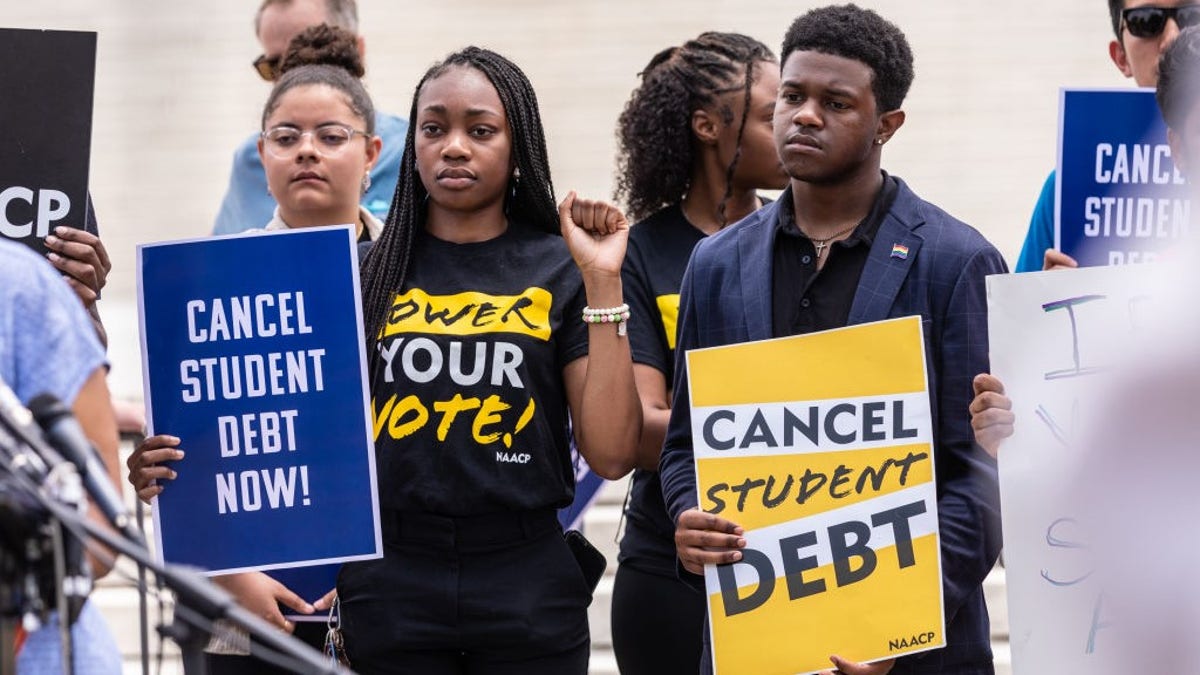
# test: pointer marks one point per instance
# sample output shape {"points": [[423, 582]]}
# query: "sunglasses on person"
{"points": [[1149, 22], [267, 67]]}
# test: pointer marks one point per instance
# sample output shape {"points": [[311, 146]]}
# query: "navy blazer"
{"points": [[726, 298]]}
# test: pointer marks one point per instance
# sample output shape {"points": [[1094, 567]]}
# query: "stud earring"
{"points": [[878, 141]]}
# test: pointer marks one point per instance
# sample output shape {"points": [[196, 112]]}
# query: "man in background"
{"points": [[247, 203], [1143, 30]]}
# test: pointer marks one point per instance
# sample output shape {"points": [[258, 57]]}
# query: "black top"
{"points": [[658, 252], [89, 218], [805, 300], [468, 398]]}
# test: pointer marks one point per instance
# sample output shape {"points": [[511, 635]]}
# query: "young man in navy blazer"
{"points": [[845, 244]]}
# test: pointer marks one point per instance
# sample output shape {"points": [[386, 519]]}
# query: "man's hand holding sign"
{"points": [[704, 539]]}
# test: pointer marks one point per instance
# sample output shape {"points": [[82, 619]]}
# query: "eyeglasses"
{"points": [[1149, 22], [328, 140], [267, 67]]}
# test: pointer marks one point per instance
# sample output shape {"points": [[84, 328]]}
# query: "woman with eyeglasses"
{"points": [[247, 204], [316, 168], [317, 147]]}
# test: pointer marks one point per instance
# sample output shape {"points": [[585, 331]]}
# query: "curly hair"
{"points": [[530, 200], [1178, 90], [851, 32], [325, 55], [654, 132]]}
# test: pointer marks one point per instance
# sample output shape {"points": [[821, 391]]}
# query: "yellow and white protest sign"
{"points": [[820, 446]]}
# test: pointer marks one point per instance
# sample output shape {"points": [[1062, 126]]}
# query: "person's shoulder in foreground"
{"points": [[48, 345], [41, 322]]}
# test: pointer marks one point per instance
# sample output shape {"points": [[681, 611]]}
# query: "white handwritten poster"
{"points": [[1056, 339]]}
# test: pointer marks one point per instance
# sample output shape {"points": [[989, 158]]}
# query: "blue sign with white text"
{"points": [[253, 355], [1120, 198]]}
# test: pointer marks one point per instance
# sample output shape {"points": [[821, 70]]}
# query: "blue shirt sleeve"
{"points": [[48, 343], [1041, 229], [96, 651], [386, 172]]}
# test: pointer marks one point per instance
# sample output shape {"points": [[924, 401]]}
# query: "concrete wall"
{"points": [[175, 94]]}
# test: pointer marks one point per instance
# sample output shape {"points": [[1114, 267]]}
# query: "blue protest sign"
{"points": [[253, 355], [1120, 198], [310, 583]]}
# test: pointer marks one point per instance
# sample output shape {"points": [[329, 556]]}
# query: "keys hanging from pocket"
{"points": [[335, 647]]}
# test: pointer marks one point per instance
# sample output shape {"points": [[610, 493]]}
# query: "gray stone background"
{"points": [[175, 94]]}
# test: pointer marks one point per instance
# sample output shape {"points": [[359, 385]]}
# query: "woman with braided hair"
{"points": [[484, 328], [695, 146]]}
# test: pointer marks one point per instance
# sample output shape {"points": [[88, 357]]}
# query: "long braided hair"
{"points": [[654, 132], [529, 201]]}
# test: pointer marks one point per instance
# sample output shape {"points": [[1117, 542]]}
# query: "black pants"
{"points": [[494, 594], [657, 624]]}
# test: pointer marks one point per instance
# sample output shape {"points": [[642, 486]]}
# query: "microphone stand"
{"points": [[143, 609], [199, 602], [64, 622], [44, 476], [57, 489], [200, 598], [66, 490]]}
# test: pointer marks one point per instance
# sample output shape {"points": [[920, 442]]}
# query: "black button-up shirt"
{"points": [[805, 300]]}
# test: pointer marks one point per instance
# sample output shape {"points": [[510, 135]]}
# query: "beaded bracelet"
{"points": [[618, 315]]}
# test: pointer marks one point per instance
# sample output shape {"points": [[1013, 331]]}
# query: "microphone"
{"points": [[46, 467], [62, 431], [20, 423]]}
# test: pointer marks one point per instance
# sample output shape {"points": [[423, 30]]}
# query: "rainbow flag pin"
{"points": [[900, 251]]}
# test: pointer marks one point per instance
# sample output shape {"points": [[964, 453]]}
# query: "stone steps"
{"points": [[117, 598]]}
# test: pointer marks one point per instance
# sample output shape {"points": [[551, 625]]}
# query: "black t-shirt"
{"points": [[805, 299], [468, 401], [659, 248]]}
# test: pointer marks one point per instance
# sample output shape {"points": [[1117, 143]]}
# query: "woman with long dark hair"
{"points": [[490, 315]]}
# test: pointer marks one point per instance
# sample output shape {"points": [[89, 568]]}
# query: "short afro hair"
{"points": [[1178, 90], [851, 32]]}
